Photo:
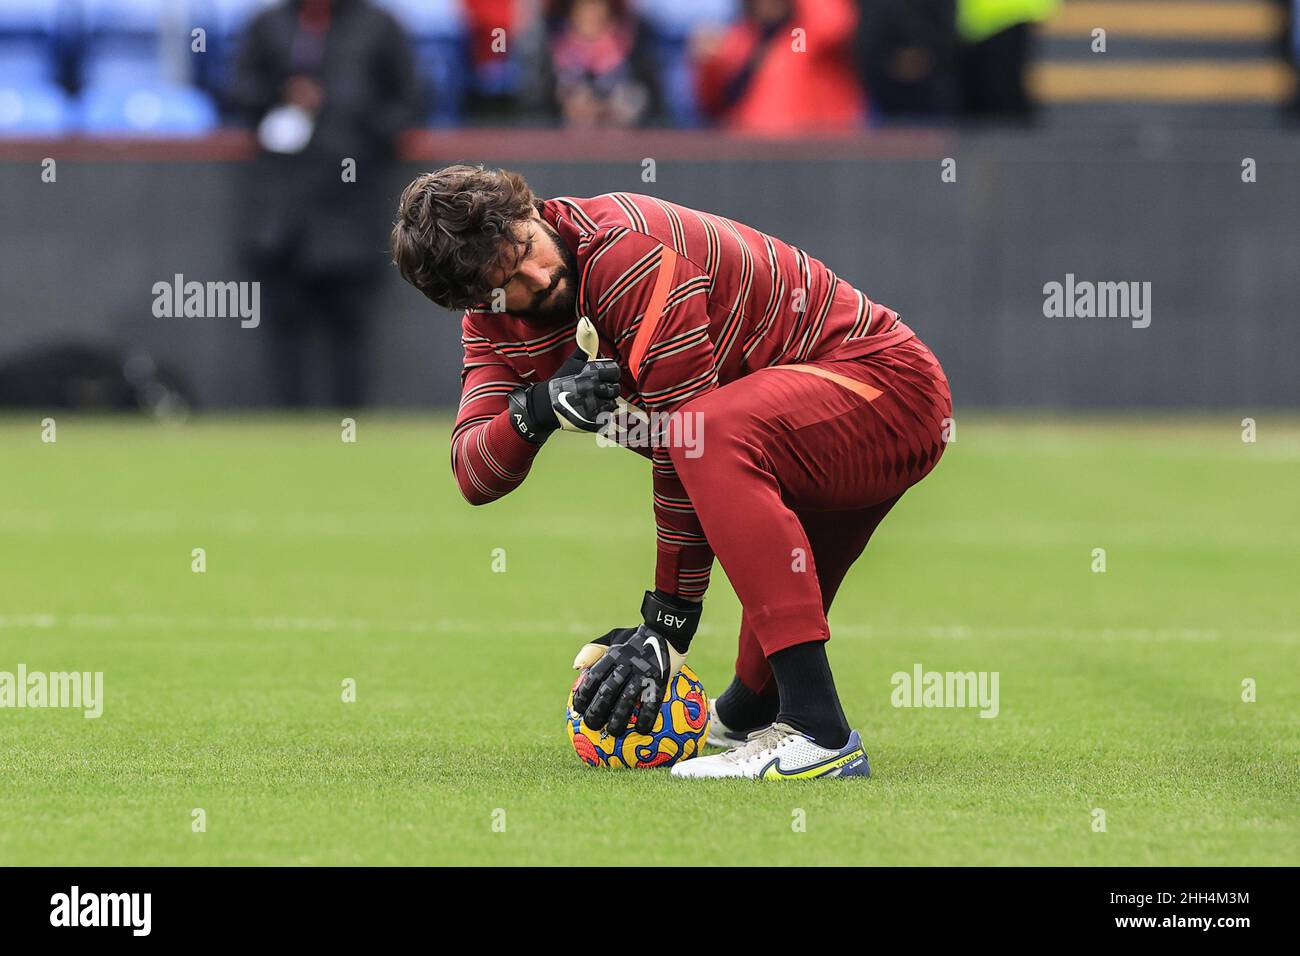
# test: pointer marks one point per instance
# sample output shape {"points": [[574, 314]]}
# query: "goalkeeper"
{"points": [[819, 407]]}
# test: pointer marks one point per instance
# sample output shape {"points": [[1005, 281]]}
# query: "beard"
{"points": [[555, 304]]}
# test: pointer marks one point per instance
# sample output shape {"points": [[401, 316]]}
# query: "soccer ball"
{"points": [[678, 734]]}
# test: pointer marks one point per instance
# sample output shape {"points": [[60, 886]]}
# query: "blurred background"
{"points": [[948, 157]]}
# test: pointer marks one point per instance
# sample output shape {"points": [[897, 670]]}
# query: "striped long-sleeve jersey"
{"points": [[685, 302]]}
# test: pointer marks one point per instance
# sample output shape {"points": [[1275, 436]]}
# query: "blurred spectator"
{"points": [[492, 27], [324, 82], [786, 67], [597, 68], [996, 40], [907, 53]]}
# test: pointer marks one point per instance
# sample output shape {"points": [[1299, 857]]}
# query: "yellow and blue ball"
{"points": [[679, 730]]}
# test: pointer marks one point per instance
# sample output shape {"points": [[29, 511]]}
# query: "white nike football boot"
{"points": [[720, 735], [780, 753]]}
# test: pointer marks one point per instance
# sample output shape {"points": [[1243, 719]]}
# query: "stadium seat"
{"points": [[32, 110], [677, 81], [29, 16], [131, 16], [122, 41], [27, 59], [28, 33], [498, 77], [146, 110], [681, 18], [672, 22], [118, 61], [440, 36], [230, 17]]}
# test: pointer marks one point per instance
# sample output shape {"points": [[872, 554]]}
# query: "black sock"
{"points": [[742, 710], [809, 702]]}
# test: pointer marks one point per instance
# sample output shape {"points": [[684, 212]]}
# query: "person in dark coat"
{"points": [[328, 85], [907, 52]]}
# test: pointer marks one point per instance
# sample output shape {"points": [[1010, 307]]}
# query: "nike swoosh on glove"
{"points": [[570, 400], [580, 400]]}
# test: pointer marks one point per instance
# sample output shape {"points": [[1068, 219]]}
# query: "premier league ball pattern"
{"points": [[678, 734]]}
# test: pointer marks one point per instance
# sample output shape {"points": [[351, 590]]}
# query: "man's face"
{"points": [[544, 282]]}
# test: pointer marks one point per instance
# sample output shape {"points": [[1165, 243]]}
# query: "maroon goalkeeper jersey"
{"points": [[684, 302]]}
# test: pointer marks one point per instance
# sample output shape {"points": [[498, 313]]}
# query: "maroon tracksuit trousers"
{"points": [[799, 465]]}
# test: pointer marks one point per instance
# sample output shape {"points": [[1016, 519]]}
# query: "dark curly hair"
{"points": [[457, 227]]}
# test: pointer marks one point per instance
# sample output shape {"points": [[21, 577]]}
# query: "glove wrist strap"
{"points": [[523, 415], [672, 617]]}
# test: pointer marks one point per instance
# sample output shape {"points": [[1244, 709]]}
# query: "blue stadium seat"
{"points": [[231, 16], [673, 22], [677, 81], [146, 110], [27, 59], [440, 35], [119, 61], [681, 18], [499, 76], [33, 109], [29, 16], [129, 16], [121, 41], [427, 18], [28, 33]]}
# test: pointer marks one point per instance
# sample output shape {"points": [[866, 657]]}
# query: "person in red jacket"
{"points": [[809, 409], [786, 67]]}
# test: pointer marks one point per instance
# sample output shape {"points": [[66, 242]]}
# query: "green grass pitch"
{"points": [[1119, 691]]}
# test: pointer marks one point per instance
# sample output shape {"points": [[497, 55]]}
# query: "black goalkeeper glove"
{"points": [[573, 399], [637, 667]]}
